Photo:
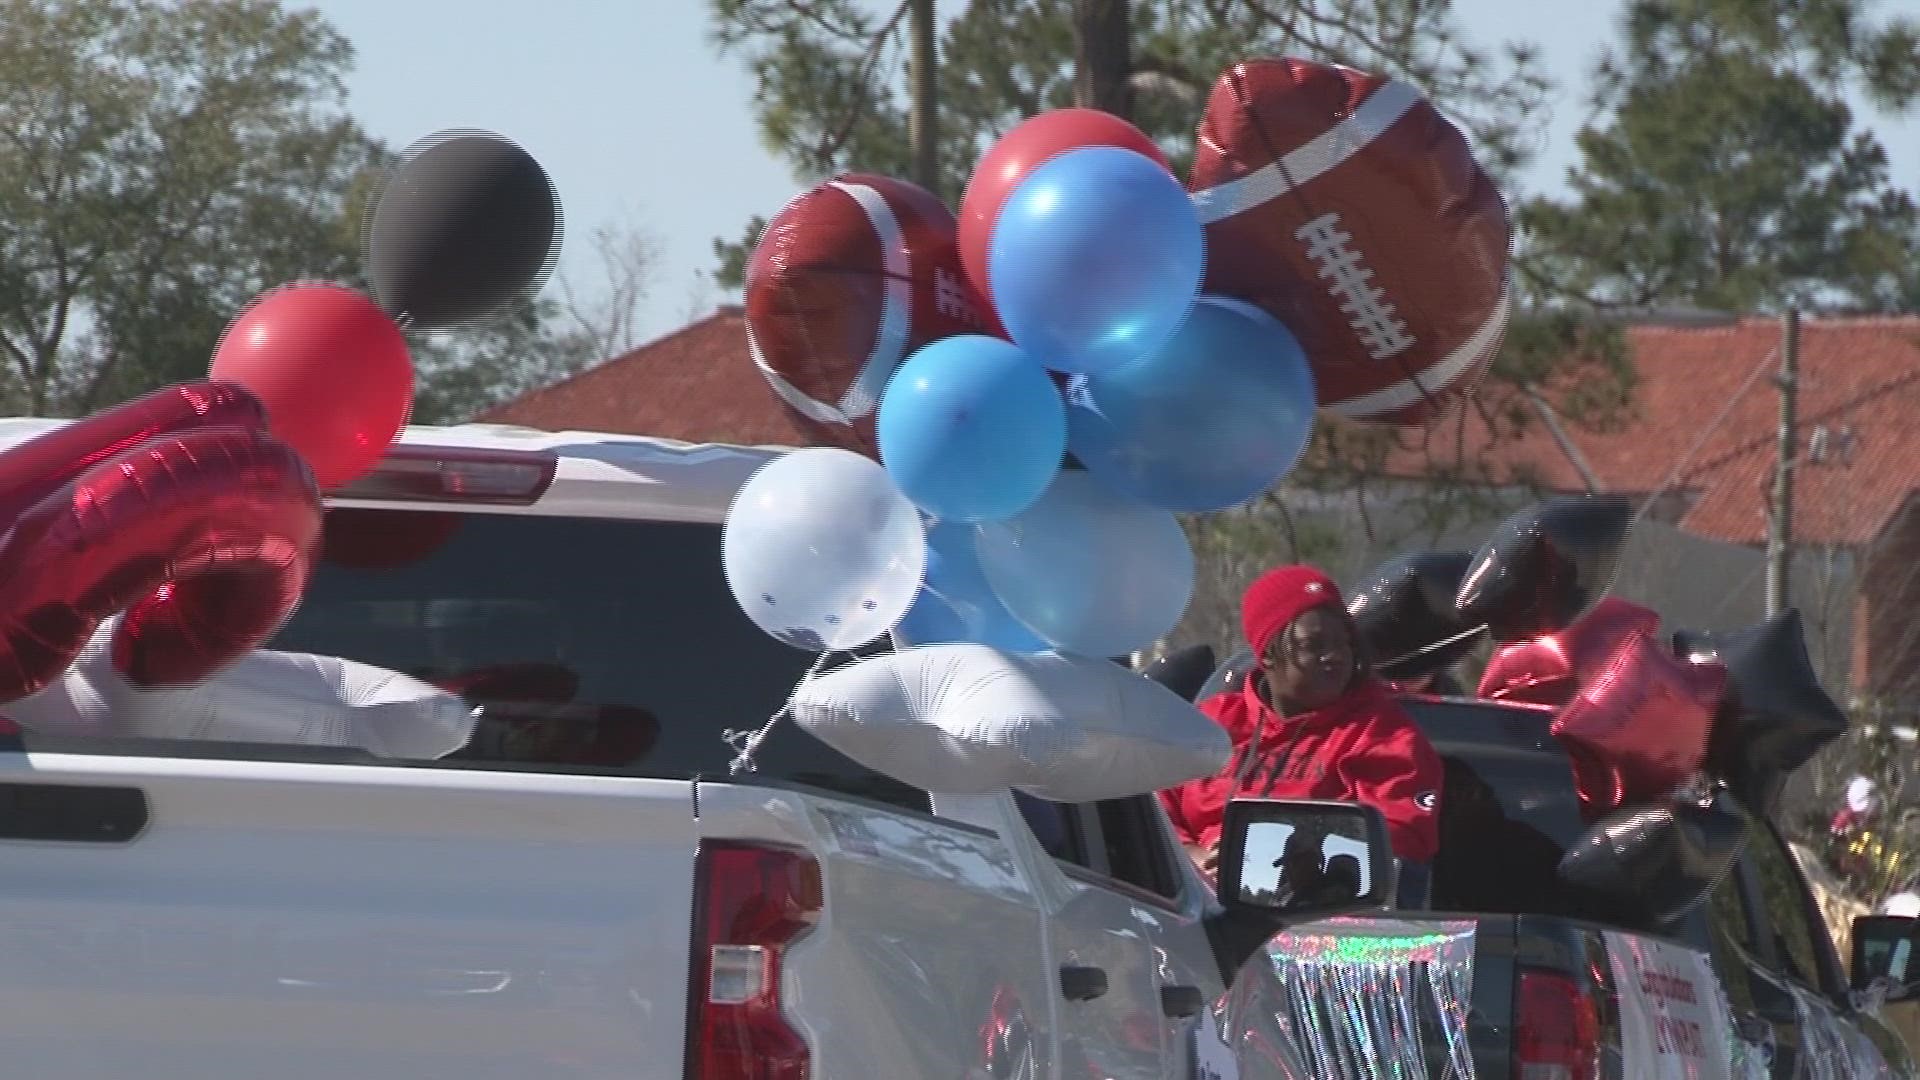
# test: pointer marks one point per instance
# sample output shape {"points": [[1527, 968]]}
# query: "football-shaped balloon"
{"points": [[1404, 612], [1345, 205], [1647, 866], [1545, 566], [849, 280]]}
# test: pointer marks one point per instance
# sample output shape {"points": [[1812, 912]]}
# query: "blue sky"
{"points": [[639, 120]]}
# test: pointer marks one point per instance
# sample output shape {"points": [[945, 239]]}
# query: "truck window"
{"points": [[1729, 939], [595, 645], [1785, 911], [1136, 851]]}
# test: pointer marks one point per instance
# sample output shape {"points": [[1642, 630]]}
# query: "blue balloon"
{"points": [[1215, 416], [1089, 571], [1095, 259], [956, 604], [971, 429]]}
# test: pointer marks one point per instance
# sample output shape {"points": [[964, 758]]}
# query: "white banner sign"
{"points": [[1673, 1017]]}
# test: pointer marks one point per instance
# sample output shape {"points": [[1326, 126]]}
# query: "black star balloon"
{"points": [[1404, 612], [465, 227], [1648, 866], [1545, 567], [1183, 672], [1776, 715]]}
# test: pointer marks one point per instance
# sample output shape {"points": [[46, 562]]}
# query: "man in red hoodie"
{"points": [[1311, 722]]}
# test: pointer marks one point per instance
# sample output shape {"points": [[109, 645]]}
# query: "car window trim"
{"points": [[1765, 941], [1125, 888], [1098, 869]]}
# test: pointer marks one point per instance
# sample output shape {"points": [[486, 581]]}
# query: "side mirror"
{"points": [[1289, 861], [1886, 956]]}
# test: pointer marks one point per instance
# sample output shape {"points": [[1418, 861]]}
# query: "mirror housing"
{"points": [[1284, 862], [1886, 956]]}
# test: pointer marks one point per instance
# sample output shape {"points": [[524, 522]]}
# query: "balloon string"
{"points": [[747, 743]]}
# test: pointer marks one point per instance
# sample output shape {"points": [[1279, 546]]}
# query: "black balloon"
{"points": [[1183, 672], [1228, 678], [1545, 567], [1776, 715], [1646, 867], [1404, 612], [465, 227]]}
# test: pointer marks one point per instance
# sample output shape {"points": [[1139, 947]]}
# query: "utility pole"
{"points": [[1780, 524], [923, 132]]}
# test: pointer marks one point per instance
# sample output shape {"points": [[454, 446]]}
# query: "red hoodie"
{"points": [[1362, 748]]}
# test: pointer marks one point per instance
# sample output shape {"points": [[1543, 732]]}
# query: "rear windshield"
{"points": [[1508, 812], [593, 645]]}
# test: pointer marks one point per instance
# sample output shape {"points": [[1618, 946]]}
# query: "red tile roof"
{"points": [[1857, 374], [698, 385]]}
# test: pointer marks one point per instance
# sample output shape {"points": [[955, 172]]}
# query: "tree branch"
{"points": [[834, 143]]}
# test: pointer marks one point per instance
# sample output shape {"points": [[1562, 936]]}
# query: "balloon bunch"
{"points": [[1047, 378], [1670, 745], [194, 514], [465, 225]]}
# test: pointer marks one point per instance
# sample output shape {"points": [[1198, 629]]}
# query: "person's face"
{"points": [[1309, 664]]}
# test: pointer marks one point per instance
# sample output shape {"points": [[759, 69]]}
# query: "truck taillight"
{"points": [[456, 474], [750, 903], [1556, 1031]]}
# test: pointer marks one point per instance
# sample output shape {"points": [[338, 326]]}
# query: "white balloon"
{"points": [[822, 551], [1862, 796], [264, 697], [970, 719]]}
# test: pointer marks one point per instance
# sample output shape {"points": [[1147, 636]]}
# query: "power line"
{"points": [[1706, 433]]}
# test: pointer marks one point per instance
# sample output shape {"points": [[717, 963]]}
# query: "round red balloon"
{"points": [[1022, 150], [331, 369]]}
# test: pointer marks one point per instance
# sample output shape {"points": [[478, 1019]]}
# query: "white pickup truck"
{"points": [[583, 890]]}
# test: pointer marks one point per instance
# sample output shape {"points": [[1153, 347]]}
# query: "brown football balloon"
{"points": [[847, 281], [1351, 210]]}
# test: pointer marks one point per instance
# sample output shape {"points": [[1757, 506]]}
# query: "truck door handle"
{"points": [[1180, 1002], [1082, 983], [71, 813]]}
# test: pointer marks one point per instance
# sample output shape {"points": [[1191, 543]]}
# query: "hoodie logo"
{"points": [[1427, 800]]}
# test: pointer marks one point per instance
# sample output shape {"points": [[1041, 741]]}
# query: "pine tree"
{"points": [[1729, 172]]}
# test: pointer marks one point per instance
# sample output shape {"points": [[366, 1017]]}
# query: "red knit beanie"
{"points": [[1278, 598]]}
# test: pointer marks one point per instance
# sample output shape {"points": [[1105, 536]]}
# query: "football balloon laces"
{"points": [[747, 743]]}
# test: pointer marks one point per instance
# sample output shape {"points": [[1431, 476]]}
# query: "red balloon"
{"points": [[332, 370], [1020, 151], [204, 539], [46, 463], [1646, 714], [1546, 670], [1633, 717]]}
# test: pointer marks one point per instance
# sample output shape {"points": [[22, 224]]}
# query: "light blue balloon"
{"points": [[1095, 259], [1215, 416], [1089, 571], [971, 429], [956, 604]]}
